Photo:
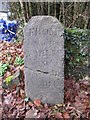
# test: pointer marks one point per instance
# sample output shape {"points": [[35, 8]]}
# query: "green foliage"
{"points": [[3, 68], [19, 61], [76, 52], [8, 80]]}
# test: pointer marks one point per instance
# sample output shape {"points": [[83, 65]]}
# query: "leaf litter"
{"points": [[15, 103]]}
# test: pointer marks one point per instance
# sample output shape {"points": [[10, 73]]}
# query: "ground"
{"points": [[15, 104]]}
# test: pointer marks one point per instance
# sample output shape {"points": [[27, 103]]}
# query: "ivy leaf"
{"points": [[8, 79], [19, 61], [3, 68], [77, 59]]}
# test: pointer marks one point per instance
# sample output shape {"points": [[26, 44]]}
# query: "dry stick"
{"points": [[55, 9], [22, 8], [30, 9], [48, 8], [64, 10], [63, 13]]}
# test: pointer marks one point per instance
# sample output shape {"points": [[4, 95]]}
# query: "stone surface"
{"points": [[48, 88], [44, 59]]}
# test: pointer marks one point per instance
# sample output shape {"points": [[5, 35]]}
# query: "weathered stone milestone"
{"points": [[44, 59]]}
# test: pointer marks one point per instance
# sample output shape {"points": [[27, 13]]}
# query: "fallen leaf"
{"points": [[22, 93], [66, 115], [46, 106], [58, 115], [37, 102], [1, 109], [31, 114], [30, 104]]}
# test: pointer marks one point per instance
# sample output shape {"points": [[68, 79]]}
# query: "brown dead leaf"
{"points": [[1, 113], [66, 115], [79, 106], [31, 114], [37, 102], [46, 106], [8, 73], [22, 93], [30, 104], [58, 115]]}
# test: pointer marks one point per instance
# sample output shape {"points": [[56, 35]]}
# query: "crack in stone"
{"points": [[38, 70], [42, 72]]}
